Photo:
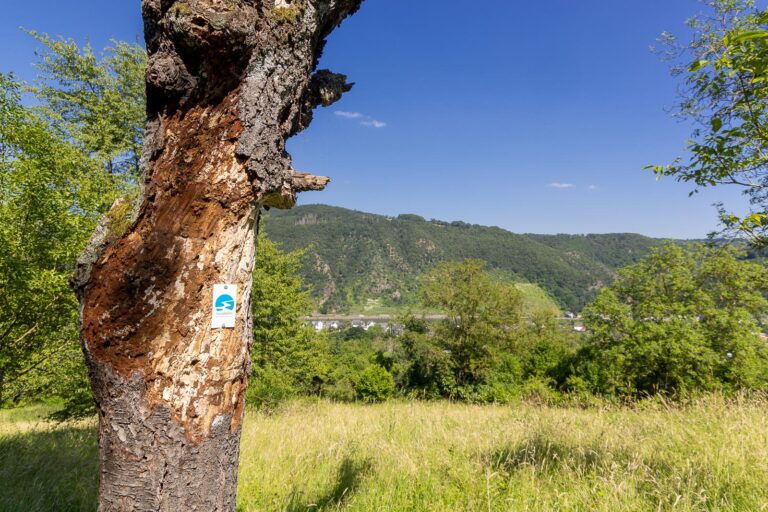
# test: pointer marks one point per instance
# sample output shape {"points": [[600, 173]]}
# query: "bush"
{"points": [[539, 391], [680, 321], [548, 359], [428, 369], [375, 384], [340, 389], [268, 388]]}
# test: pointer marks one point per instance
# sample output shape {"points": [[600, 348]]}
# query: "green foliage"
{"points": [[680, 321], [280, 302], [540, 391], [481, 314], [51, 195], [375, 384], [63, 162], [487, 349], [97, 102], [269, 387], [289, 357], [426, 368], [356, 260], [78, 404], [351, 352], [725, 70], [548, 348]]}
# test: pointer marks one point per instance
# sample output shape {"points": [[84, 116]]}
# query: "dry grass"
{"points": [[441, 456], [712, 455]]}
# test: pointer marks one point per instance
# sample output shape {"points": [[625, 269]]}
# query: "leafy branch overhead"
{"points": [[96, 102], [725, 96]]}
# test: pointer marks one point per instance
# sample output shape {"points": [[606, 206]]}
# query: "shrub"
{"points": [[268, 388], [539, 391], [340, 389], [375, 384], [429, 369]]}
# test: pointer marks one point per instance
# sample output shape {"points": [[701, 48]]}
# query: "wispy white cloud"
{"points": [[349, 115], [592, 187], [557, 184], [362, 118], [373, 123]]}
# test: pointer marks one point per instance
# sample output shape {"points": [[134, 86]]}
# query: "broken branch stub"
{"points": [[228, 82]]}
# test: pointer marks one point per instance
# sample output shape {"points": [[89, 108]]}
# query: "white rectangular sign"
{"points": [[224, 306]]}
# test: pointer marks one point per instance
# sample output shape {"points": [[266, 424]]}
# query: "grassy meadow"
{"points": [[411, 456]]}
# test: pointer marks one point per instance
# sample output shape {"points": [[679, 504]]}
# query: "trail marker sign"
{"points": [[224, 306]]}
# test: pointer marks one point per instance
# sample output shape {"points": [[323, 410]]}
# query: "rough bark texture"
{"points": [[228, 82]]}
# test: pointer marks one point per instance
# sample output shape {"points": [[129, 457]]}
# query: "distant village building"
{"points": [[384, 322], [322, 325]]}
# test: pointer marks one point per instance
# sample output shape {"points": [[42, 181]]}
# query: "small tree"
{"points": [[287, 354], [64, 159], [680, 320], [98, 103], [426, 367], [482, 316], [51, 195]]}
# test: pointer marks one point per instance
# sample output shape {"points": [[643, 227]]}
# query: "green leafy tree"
{"points": [[725, 96], [681, 320], [51, 195], [426, 368], [64, 159], [482, 316], [288, 356]]}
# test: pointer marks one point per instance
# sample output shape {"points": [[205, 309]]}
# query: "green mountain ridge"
{"points": [[356, 259]]}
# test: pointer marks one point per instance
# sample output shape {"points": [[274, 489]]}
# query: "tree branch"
{"points": [[325, 88], [304, 182], [298, 182]]}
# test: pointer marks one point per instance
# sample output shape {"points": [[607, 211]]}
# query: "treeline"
{"points": [[681, 321]]}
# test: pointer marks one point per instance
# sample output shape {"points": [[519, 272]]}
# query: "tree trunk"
{"points": [[228, 82]]}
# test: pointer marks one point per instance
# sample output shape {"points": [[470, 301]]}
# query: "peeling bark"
{"points": [[228, 82]]}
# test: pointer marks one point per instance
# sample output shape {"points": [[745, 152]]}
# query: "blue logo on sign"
{"points": [[225, 304]]}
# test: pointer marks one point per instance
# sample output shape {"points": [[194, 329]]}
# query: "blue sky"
{"points": [[532, 116]]}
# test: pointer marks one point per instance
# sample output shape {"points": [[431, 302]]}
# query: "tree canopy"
{"points": [[64, 159], [725, 96], [679, 321], [51, 196]]}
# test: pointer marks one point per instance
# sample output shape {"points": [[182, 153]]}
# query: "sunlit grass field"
{"points": [[411, 456]]}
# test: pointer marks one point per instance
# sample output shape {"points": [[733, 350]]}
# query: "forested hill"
{"points": [[358, 260]]}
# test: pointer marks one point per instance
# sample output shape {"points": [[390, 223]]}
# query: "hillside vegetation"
{"points": [[355, 258]]}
